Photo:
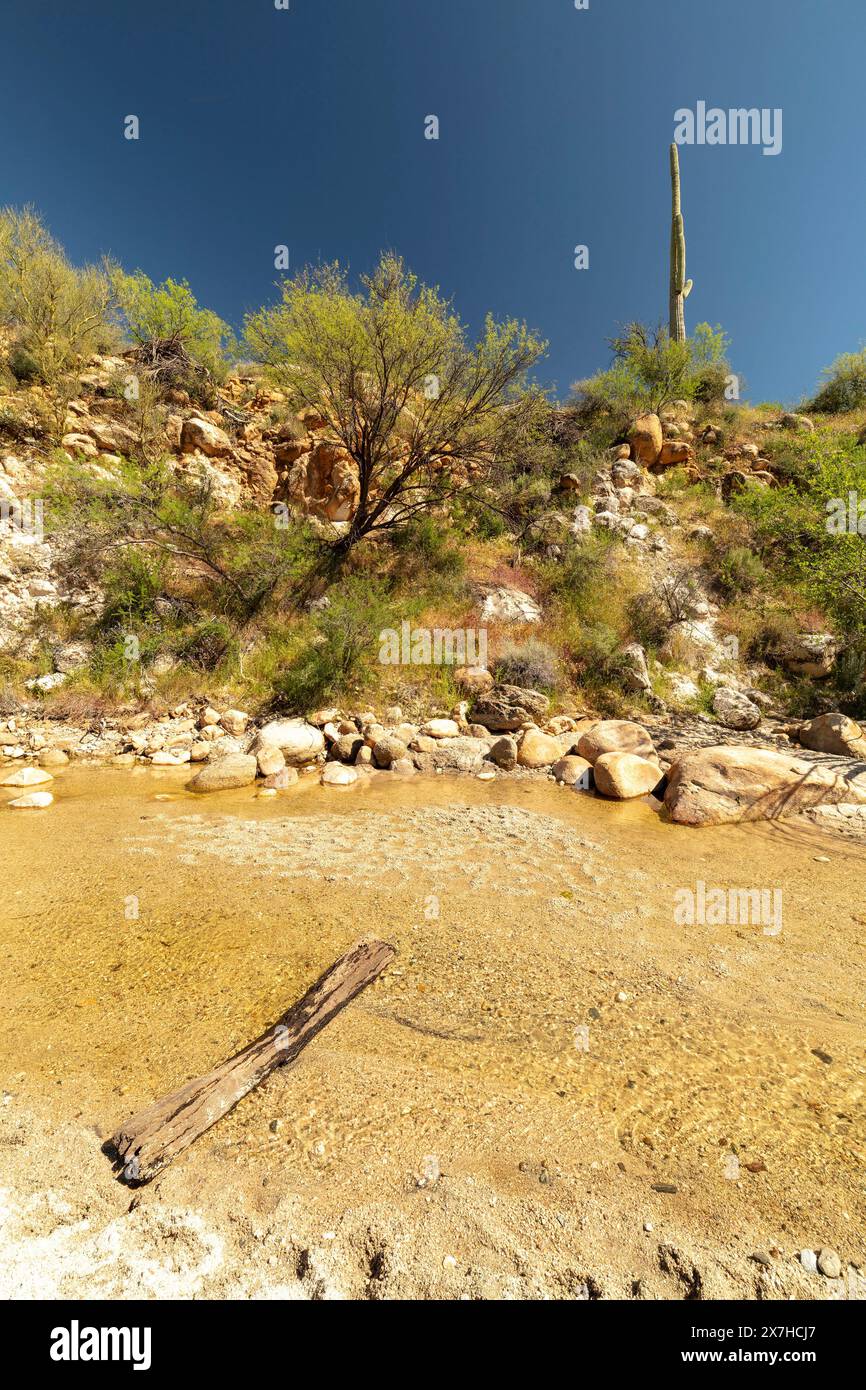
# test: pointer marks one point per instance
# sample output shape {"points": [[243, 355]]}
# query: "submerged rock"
{"points": [[32, 801], [236, 770], [26, 777]]}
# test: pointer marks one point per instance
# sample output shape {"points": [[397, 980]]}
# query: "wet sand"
{"points": [[549, 1039]]}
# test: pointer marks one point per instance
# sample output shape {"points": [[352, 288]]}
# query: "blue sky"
{"points": [[306, 127]]}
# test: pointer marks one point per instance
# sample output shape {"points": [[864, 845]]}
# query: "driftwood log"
{"points": [[153, 1137]]}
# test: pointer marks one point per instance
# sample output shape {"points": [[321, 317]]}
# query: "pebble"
{"points": [[809, 1261], [761, 1257], [829, 1263], [664, 1187], [450, 1262]]}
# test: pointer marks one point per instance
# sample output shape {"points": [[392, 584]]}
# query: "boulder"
{"points": [[508, 707], [338, 775], [615, 736], [625, 775], [461, 754], [234, 721], [33, 801], [270, 759], [808, 653], [573, 771], [26, 777], [504, 754], [735, 710], [440, 728], [833, 733], [388, 750], [792, 421], [204, 436], [672, 452], [714, 786], [236, 770], [538, 749], [646, 439], [299, 741], [345, 748]]}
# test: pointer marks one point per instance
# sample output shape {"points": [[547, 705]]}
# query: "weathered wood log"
{"points": [[153, 1137]]}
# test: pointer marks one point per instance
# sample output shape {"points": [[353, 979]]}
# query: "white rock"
{"points": [[32, 801], [26, 777]]}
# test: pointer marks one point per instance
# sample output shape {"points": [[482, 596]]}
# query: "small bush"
{"points": [[844, 386], [531, 664], [740, 571], [340, 646]]}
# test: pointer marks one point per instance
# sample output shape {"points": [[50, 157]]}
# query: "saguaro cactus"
{"points": [[680, 287]]}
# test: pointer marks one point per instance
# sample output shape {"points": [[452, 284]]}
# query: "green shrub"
{"points": [[340, 646], [168, 312], [740, 571], [649, 371], [57, 312], [131, 586], [844, 386]]}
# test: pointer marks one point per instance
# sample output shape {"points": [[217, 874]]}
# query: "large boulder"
{"points": [[462, 754], [538, 749], [714, 786], [808, 653], [298, 741], [508, 707], [236, 770], [323, 482], [624, 775], [204, 436], [646, 439], [735, 710], [615, 736], [833, 733]]}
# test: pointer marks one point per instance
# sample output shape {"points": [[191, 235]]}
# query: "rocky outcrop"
{"points": [[714, 786]]}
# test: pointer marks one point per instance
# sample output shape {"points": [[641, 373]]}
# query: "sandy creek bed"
{"points": [[497, 1044]]}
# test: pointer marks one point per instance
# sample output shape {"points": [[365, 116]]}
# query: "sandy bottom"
{"points": [[496, 1117]]}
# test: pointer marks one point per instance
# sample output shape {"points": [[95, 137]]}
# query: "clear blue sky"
{"points": [[306, 127]]}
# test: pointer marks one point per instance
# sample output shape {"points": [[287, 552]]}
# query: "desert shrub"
{"points": [[844, 384], [337, 653], [531, 664], [740, 571], [428, 549], [131, 585], [170, 313], [649, 370], [57, 313], [206, 645]]}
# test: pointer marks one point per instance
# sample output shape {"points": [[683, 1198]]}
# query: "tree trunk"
{"points": [[156, 1135]]}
